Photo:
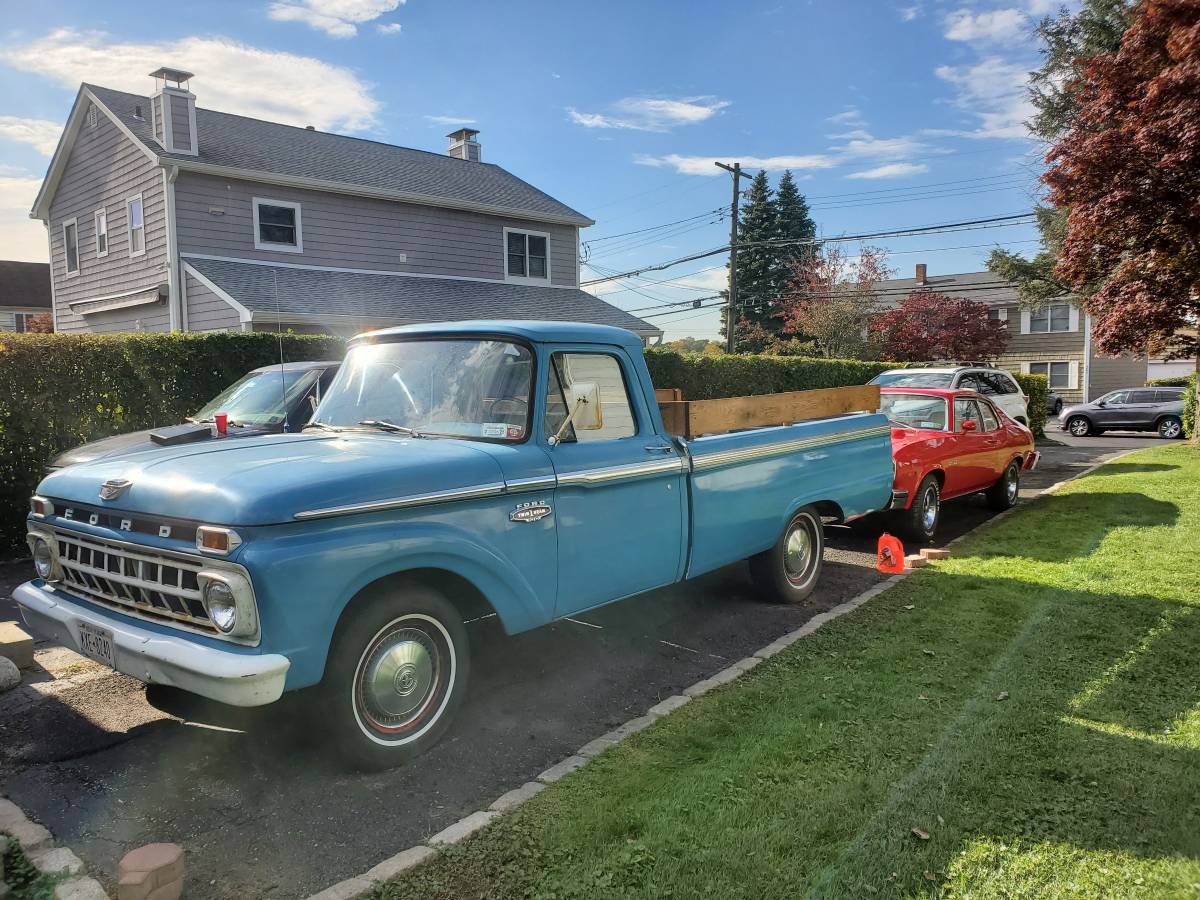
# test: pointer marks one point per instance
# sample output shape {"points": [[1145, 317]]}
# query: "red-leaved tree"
{"points": [[1128, 170], [932, 326], [41, 324]]}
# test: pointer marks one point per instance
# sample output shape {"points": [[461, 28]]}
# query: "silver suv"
{"points": [[995, 384], [1128, 409]]}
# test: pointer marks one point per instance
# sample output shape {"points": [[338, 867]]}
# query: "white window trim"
{"points": [[525, 279], [129, 226], [100, 254], [1001, 314], [71, 273], [1072, 371], [260, 244], [1072, 319]]}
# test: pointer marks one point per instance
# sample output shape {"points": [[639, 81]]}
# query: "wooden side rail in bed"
{"points": [[692, 418]]}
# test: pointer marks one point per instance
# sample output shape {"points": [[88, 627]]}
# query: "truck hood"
{"points": [[267, 480], [135, 442]]}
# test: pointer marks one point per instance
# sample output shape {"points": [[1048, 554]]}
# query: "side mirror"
{"points": [[1101, 403], [585, 406], [969, 425]]}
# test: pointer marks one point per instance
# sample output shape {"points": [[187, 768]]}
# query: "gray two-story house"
{"points": [[165, 216], [1055, 340]]}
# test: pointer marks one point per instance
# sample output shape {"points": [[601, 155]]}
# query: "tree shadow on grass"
{"points": [[1067, 533], [1069, 741], [1120, 468]]}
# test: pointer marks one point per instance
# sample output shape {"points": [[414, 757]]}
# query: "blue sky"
{"points": [[891, 113]]}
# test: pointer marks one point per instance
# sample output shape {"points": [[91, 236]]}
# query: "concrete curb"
{"points": [[360, 885], [38, 846]]}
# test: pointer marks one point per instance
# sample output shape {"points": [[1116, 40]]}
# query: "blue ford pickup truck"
{"points": [[520, 468]]}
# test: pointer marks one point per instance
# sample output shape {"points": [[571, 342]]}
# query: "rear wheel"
{"points": [[1057, 408], [1003, 494], [1170, 427], [789, 571], [397, 672], [920, 521], [1079, 426]]}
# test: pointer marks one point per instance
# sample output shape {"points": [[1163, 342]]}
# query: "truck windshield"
{"points": [[261, 398], [458, 388]]}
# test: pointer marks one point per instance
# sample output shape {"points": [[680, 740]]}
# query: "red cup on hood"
{"points": [[222, 420]]}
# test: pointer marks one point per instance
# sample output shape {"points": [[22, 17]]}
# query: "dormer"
{"points": [[173, 112]]}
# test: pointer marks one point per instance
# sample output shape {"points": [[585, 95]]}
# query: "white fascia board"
{"points": [[62, 153], [339, 187]]}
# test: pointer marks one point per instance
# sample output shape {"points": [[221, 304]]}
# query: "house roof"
{"points": [[307, 294], [271, 151], [982, 287], [24, 284]]}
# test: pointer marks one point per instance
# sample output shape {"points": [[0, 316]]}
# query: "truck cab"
{"points": [[515, 468]]}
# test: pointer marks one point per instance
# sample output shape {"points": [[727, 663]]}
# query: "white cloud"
{"points": [[41, 134], [650, 113], [994, 91], [849, 116], [21, 237], [1000, 26], [388, 28], [1044, 7], [706, 165], [861, 144], [908, 13], [230, 76], [450, 120], [891, 170], [337, 18]]}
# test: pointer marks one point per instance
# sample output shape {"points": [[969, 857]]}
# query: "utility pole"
{"points": [[731, 305]]}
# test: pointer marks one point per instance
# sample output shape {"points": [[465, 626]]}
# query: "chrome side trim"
{"points": [[618, 473], [471, 493], [747, 454], [523, 485]]}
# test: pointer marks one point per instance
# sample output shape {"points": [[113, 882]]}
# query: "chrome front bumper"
{"points": [[239, 679]]}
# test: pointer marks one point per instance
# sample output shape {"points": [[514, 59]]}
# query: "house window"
{"points": [[998, 314], [71, 245], [277, 226], [136, 224], [101, 232], [527, 254], [1055, 317], [1057, 373], [21, 321]]}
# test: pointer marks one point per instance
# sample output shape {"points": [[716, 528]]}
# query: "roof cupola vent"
{"points": [[173, 111], [463, 145]]}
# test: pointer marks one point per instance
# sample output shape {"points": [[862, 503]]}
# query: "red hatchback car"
{"points": [[950, 443]]}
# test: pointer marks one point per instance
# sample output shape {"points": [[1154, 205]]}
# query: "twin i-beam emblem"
{"points": [[530, 512]]}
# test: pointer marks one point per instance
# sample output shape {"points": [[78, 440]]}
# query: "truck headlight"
{"points": [[43, 558], [229, 602]]}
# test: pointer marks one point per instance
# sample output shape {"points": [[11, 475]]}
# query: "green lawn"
{"points": [[1020, 721]]}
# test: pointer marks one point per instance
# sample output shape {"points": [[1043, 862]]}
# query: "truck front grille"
{"points": [[142, 580]]}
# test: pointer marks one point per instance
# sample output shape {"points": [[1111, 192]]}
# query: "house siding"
{"points": [[1111, 372], [104, 169], [181, 129], [215, 216], [206, 311]]}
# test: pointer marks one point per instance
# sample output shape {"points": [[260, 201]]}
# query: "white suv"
{"points": [[996, 384]]}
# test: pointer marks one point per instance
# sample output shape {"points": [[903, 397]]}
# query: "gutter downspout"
{"points": [[50, 256], [174, 280], [1086, 375]]}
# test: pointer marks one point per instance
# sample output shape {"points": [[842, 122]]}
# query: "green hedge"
{"points": [[64, 390], [704, 377], [1037, 389], [1189, 408], [1177, 381]]}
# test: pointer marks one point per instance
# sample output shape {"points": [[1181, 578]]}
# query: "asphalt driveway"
{"points": [[264, 811]]}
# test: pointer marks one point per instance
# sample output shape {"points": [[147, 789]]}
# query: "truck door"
{"points": [[619, 503]]}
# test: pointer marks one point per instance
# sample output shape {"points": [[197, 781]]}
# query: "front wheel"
{"points": [[920, 521], [1079, 426], [1170, 427], [789, 571], [1003, 494], [1056, 409], [397, 673]]}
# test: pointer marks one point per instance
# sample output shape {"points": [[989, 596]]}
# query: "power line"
{"points": [[918, 187], [948, 227], [709, 212]]}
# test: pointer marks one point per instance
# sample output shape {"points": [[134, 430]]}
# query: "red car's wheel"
{"points": [[920, 521]]}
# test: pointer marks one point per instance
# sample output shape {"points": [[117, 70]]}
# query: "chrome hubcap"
{"points": [[797, 553], [398, 677], [1011, 487], [1079, 427], [1171, 429], [929, 510]]}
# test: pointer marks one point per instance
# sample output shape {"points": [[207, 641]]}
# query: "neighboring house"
{"points": [[1163, 365], [24, 293], [1054, 341], [162, 216]]}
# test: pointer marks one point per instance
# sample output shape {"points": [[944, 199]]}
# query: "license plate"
{"points": [[97, 643]]}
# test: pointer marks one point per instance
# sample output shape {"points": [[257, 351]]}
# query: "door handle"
{"points": [[659, 448]]}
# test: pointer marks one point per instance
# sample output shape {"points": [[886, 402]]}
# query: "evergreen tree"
{"points": [[755, 270], [793, 222]]}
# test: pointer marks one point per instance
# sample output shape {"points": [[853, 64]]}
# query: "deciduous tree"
{"points": [[929, 325], [1128, 170], [832, 299]]}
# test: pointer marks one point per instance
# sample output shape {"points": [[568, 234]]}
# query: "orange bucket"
{"points": [[890, 557]]}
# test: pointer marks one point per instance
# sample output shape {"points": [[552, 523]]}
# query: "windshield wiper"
{"points": [[320, 425], [391, 426]]}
